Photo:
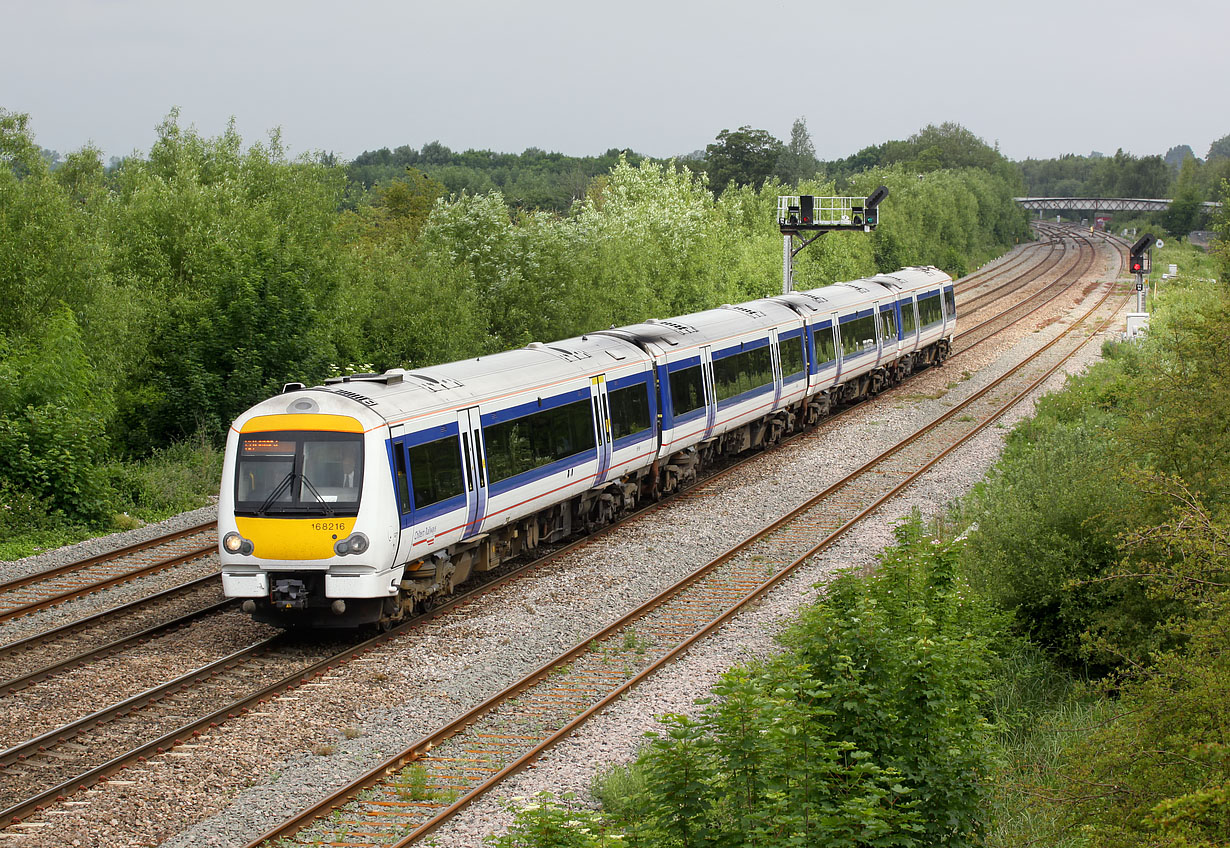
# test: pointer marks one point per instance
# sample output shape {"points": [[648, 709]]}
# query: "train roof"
{"points": [[401, 393], [857, 293], [707, 327]]}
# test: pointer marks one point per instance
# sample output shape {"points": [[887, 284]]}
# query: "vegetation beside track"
{"points": [[149, 302], [1048, 665]]}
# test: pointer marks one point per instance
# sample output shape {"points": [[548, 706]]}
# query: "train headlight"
{"points": [[355, 543], [236, 544]]}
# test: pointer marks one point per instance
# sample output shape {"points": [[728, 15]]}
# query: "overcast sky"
{"points": [[661, 77]]}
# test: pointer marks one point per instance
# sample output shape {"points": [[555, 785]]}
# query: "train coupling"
{"points": [[289, 593]]}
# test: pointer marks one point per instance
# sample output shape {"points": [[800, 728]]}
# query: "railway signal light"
{"points": [[872, 216], [1138, 261], [807, 208]]}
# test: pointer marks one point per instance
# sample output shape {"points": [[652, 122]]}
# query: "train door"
{"points": [[775, 355], [474, 466], [706, 369], [839, 354], [602, 425]]}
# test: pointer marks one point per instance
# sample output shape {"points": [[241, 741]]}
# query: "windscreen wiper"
{"points": [[324, 503], [278, 490]]}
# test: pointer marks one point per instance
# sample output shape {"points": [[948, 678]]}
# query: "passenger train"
{"points": [[363, 500]]}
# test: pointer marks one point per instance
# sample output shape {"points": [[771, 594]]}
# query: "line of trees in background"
{"points": [[150, 302]]}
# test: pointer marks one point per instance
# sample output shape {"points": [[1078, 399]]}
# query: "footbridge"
{"points": [[1097, 204]]}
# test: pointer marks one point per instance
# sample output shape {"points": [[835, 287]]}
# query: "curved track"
{"points": [[306, 669], [412, 793]]}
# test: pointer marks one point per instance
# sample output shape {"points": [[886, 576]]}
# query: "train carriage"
{"points": [[363, 499]]}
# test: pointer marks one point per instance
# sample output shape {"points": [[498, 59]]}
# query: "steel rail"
{"points": [[92, 588], [98, 559], [242, 706], [427, 743]]}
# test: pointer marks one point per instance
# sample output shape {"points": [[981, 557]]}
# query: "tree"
{"points": [[798, 160], [1176, 156], [744, 157], [1219, 149], [1185, 211]]}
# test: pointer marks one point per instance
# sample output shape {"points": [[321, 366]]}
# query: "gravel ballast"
{"points": [[246, 776]]}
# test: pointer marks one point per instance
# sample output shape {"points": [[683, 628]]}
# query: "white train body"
{"points": [[356, 501]]}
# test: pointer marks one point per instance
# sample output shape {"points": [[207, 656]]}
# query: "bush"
{"points": [[868, 730]]}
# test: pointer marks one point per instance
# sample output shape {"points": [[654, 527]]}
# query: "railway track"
{"points": [[53, 587], [110, 766], [94, 574], [411, 794]]}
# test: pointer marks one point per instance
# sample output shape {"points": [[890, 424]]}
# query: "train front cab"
{"points": [[299, 521]]}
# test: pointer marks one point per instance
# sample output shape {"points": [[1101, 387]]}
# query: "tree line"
{"points": [[151, 300]]}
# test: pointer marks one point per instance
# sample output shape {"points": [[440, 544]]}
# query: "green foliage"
{"points": [[1158, 774], [867, 731], [546, 822], [238, 249], [1222, 227], [948, 146], [171, 480], [797, 161], [744, 157], [1121, 175], [534, 179], [51, 438], [1107, 522]]}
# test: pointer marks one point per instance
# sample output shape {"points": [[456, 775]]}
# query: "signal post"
{"points": [[1140, 263], [815, 216]]}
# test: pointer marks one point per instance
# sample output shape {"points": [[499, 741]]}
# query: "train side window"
{"points": [[742, 372], [538, 439], [435, 471], [888, 319], [822, 344], [790, 353], [629, 410], [687, 390], [858, 335], [908, 324], [929, 311], [403, 478]]}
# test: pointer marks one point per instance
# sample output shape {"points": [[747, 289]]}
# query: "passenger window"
{"points": [[908, 325], [822, 343], [741, 372], [888, 320], [403, 479], [687, 390], [435, 471], [629, 410], [858, 336], [538, 439], [790, 352]]}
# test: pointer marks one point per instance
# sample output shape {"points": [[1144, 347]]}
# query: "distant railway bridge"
{"points": [[1096, 205]]}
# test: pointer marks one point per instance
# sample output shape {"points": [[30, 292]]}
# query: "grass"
{"points": [[1038, 710], [173, 480]]}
